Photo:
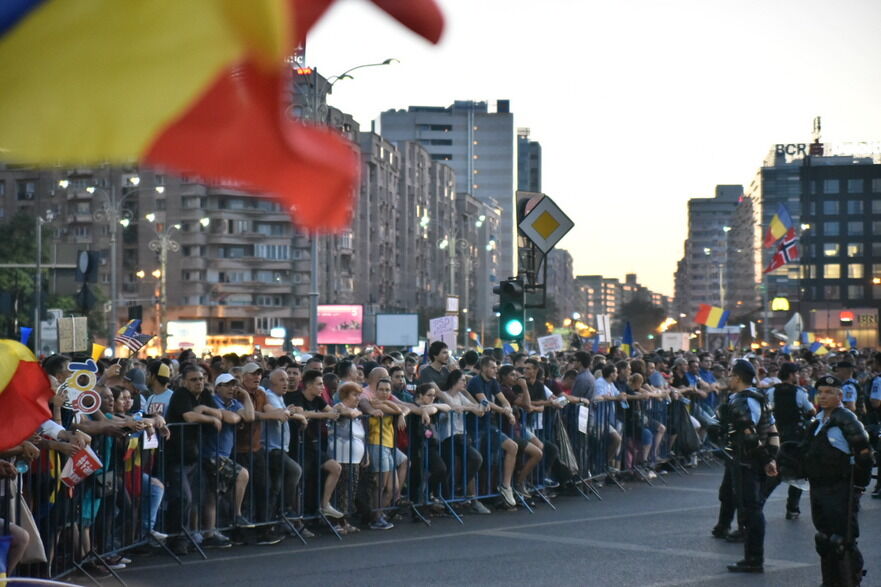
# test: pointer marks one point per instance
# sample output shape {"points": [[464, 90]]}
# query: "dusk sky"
{"points": [[638, 105]]}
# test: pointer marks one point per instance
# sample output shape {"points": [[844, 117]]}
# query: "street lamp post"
{"points": [[115, 215], [162, 244], [315, 110]]}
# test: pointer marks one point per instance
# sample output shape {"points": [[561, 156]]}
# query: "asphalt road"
{"points": [[644, 536]]}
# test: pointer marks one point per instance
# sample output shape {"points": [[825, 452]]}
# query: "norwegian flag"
{"points": [[787, 252]]}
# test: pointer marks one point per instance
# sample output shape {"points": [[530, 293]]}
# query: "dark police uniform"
{"points": [[748, 425], [838, 464], [791, 409]]}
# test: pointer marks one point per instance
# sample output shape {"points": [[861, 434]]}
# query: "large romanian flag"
{"points": [[192, 86], [711, 316], [780, 224], [25, 394]]}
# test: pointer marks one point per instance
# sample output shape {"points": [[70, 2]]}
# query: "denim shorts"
{"points": [[492, 437], [384, 458]]}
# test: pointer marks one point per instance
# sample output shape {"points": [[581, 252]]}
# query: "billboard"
{"points": [[187, 334], [340, 324], [397, 329]]}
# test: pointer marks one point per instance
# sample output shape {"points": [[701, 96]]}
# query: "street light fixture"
{"points": [[315, 110], [114, 214]]}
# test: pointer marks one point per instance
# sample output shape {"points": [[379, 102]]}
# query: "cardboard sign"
{"points": [[550, 344], [80, 388], [79, 466]]}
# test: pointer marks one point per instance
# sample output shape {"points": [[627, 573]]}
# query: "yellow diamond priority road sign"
{"points": [[545, 224]]}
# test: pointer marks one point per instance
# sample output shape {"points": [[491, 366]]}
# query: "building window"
{"points": [[876, 206], [830, 228], [25, 189], [854, 249], [831, 249], [2, 188], [832, 271], [855, 228], [855, 186], [876, 249], [831, 292], [876, 269], [855, 270], [876, 185], [830, 206], [856, 292], [876, 292], [854, 206], [830, 186]]}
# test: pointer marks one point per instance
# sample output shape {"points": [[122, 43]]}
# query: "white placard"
{"points": [[443, 325], [550, 344], [583, 415]]}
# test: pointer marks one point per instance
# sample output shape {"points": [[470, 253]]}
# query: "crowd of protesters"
{"points": [[203, 453]]}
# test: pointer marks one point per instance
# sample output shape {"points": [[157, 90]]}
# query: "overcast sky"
{"points": [[638, 105]]}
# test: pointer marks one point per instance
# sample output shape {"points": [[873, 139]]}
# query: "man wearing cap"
{"points": [[136, 382], [158, 377], [849, 385], [838, 463], [250, 452], [792, 410], [751, 446]]}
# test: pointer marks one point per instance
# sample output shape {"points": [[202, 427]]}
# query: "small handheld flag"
{"points": [[627, 340], [128, 335]]}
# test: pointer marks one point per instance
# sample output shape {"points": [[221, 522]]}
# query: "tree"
{"points": [[644, 318], [17, 285]]}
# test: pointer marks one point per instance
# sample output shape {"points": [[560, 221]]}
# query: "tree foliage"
{"points": [[644, 318]]}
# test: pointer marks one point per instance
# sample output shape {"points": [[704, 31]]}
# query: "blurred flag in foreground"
{"points": [[196, 87], [25, 394]]}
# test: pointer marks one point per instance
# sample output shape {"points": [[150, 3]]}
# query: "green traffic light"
{"points": [[514, 328]]}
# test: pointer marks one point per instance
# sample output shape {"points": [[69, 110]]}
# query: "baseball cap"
{"points": [[828, 381], [252, 368], [137, 379], [223, 378], [160, 371]]}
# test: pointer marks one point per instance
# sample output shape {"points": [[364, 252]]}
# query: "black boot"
{"points": [[829, 568], [747, 566]]}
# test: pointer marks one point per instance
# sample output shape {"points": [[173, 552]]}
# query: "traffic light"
{"points": [[510, 310]]}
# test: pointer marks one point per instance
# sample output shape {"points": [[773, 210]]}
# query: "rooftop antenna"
{"points": [[816, 148]]}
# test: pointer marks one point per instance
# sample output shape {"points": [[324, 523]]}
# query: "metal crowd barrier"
{"points": [[452, 461]]}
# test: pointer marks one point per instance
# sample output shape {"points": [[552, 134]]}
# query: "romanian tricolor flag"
{"points": [[25, 394], [195, 87], [627, 340], [711, 316], [780, 224]]}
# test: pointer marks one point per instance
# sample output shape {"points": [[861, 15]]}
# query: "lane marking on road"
{"points": [[629, 546]]}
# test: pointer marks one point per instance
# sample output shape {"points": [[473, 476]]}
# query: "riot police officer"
{"points": [[792, 410], [751, 446], [838, 463], [873, 416]]}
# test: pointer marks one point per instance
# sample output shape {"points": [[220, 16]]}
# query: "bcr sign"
{"points": [[791, 149]]}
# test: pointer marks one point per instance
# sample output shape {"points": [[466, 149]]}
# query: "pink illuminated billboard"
{"points": [[340, 324]]}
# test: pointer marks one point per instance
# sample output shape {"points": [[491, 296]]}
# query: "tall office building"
{"points": [[478, 145], [528, 163], [704, 275], [840, 288]]}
